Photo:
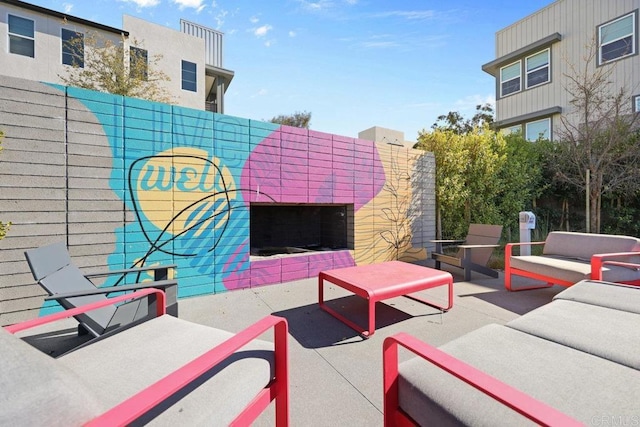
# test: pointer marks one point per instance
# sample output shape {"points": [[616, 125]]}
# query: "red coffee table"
{"points": [[377, 282]]}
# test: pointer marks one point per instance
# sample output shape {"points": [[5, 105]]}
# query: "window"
{"points": [[510, 79], [636, 104], [72, 48], [512, 129], [138, 63], [21, 36], [617, 38], [537, 68], [540, 129], [189, 78]]}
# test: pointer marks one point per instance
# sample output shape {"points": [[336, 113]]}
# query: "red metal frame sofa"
{"points": [[575, 360], [166, 370], [568, 258]]}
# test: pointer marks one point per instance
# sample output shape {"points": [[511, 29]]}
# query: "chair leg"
{"points": [[82, 330]]}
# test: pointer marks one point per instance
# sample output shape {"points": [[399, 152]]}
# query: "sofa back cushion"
{"points": [[584, 245], [36, 390]]}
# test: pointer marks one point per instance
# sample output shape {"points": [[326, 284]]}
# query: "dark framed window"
{"points": [[537, 66], [617, 39], [21, 36], [189, 76], [539, 129], [72, 48], [510, 79], [138, 63]]}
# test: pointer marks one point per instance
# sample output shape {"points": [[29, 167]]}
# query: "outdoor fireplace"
{"points": [[299, 228]]}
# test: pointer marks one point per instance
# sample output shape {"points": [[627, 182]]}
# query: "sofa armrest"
{"points": [[598, 260], [160, 309], [508, 249], [518, 401], [139, 404]]}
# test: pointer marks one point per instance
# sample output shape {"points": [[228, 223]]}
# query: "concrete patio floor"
{"points": [[335, 374]]}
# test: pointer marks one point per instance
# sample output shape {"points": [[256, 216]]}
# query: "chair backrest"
{"points": [[51, 267], [482, 234], [47, 259]]}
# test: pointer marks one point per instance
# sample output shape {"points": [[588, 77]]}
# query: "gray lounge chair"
{"points": [[473, 253], [52, 268]]}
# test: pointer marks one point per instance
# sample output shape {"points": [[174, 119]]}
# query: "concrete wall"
{"points": [[125, 182]]}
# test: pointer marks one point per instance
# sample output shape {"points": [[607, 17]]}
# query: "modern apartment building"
{"points": [[42, 44], [534, 57]]}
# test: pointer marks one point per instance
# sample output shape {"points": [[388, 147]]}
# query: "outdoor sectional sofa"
{"points": [[575, 358], [166, 370], [568, 258]]}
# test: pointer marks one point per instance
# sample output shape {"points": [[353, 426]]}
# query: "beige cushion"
{"points": [[570, 269], [579, 384], [123, 364], [35, 390], [584, 245], [603, 332], [604, 294]]}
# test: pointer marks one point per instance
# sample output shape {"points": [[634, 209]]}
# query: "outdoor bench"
{"points": [[568, 258], [575, 358]]}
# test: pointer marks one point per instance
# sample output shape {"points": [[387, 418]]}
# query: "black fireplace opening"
{"points": [[299, 228]]}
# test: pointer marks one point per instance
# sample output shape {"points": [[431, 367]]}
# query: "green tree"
{"points": [[598, 146], [455, 122], [297, 119], [120, 68], [481, 176], [4, 227]]}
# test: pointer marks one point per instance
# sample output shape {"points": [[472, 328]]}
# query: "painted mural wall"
{"points": [[131, 182]]}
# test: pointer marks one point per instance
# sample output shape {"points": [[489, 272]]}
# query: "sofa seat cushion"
{"points": [[113, 366], [584, 245], [579, 384], [604, 294], [36, 391], [603, 332], [571, 270]]}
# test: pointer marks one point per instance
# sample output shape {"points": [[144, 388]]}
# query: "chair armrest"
{"points": [[88, 307], [509, 246], [477, 246], [163, 284], [446, 242], [598, 260], [137, 405], [159, 270], [518, 401]]}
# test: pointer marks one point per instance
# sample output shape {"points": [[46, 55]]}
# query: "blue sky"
{"points": [[353, 64]]}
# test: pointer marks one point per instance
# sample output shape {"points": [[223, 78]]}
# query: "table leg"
{"points": [[434, 305]]}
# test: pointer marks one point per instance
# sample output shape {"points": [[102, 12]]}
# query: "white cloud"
{"points": [[262, 31], [469, 103], [261, 92], [143, 3], [316, 6], [292, 34], [67, 7], [407, 14], [194, 4], [254, 20]]}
